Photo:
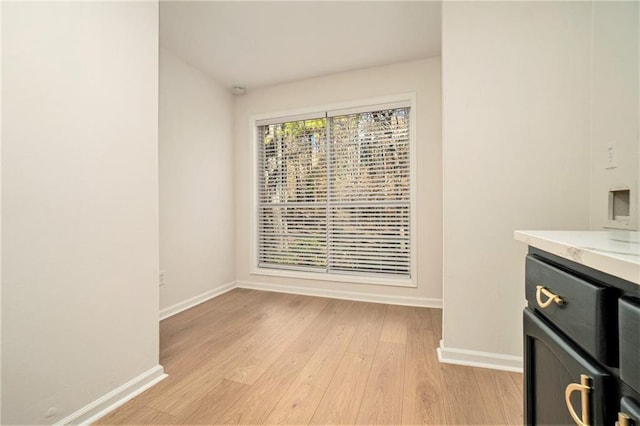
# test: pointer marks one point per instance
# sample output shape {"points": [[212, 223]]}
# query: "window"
{"points": [[334, 192]]}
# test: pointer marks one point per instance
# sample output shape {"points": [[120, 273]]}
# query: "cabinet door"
{"points": [[553, 363], [629, 326]]}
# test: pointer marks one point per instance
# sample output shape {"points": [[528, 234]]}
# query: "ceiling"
{"points": [[254, 44]]}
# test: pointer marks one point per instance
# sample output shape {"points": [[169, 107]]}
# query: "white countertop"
{"points": [[616, 253]]}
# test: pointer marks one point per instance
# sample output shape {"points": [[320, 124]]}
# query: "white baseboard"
{"points": [[190, 303], [109, 402], [479, 359], [423, 302]]}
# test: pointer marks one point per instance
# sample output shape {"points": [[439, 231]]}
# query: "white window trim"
{"points": [[358, 105]]}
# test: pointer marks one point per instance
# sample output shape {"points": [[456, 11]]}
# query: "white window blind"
{"points": [[334, 193]]}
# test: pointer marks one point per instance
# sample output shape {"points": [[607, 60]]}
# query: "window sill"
{"points": [[358, 279]]}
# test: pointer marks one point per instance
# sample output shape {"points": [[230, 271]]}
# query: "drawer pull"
{"points": [[623, 420], [584, 387], [540, 290]]}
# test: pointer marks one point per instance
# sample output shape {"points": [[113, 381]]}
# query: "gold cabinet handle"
{"points": [[623, 420], [584, 387], [540, 290]]}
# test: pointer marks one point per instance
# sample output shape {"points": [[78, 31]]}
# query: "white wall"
{"points": [[422, 77], [516, 156], [0, 212], [615, 110], [197, 237], [79, 203]]}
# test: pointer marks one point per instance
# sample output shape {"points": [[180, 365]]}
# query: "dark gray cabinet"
{"points": [[581, 346], [552, 364], [629, 325]]}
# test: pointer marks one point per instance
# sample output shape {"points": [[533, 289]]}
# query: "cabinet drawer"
{"points": [[584, 311], [629, 325]]}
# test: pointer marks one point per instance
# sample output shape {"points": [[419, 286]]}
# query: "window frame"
{"points": [[370, 104]]}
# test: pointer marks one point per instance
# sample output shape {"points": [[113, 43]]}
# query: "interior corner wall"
{"points": [[615, 107], [422, 77], [516, 155], [197, 238], [79, 203]]}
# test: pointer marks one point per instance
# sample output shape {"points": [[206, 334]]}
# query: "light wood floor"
{"points": [[251, 357]]}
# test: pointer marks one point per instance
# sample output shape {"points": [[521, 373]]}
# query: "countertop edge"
{"points": [[602, 261]]}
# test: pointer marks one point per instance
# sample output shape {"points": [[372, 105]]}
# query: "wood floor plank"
{"points": [[463, 393], [219, 329], [256, 363], [138, 415], [499, 395], [178, 324], [382, 400], [218, 399], [144, 398], [394, 329], [423, 397], [365, 340], [196, 384], [517, 379], [332, 314], [436, 321], [342, 399], [423, 401], [187, 390], [184, 361], [216, 330], [254, 406], [300, 401]]}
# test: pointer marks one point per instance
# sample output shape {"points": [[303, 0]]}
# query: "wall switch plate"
{"points": [[612, 155]]}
